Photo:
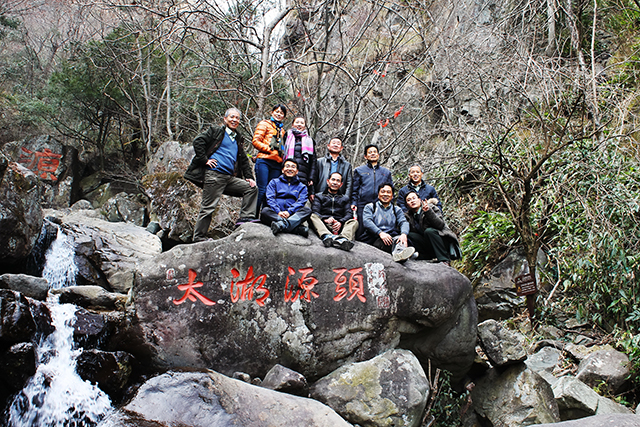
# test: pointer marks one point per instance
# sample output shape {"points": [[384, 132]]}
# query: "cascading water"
{"points": [[56, 395]]}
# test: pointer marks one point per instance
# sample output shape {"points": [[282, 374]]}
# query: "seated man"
{"points": [[416, 184], [427, 230], [332, 211], [386, 226], [286, 198]]}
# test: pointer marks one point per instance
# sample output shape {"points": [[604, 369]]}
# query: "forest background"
{"points": [[523, 114]]}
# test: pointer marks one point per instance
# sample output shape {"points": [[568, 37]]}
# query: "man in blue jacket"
{"points": [[220, 166], [418, 186], [366, 180], [286, 199]]}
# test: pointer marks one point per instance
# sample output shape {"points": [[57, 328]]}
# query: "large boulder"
{"points": [[106, 252], [501, 345], [513, 398], [33, 287], [605, 366], [251, 300], [171, 156], [21, 216], [125, 207], [388, 390], [599, 421], [210, 399]]}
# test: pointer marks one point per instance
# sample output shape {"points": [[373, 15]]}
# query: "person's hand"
{"points": [[403, 239], [283, 214], [251, 182], [336, 226], [425, 205], [329, 221], [386, 238], [212, 163]]}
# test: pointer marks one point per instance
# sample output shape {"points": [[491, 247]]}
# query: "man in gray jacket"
{"points": [[221, 166], [330, 163]]}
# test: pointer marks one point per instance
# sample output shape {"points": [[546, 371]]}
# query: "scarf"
{"points": [[290, 144]]}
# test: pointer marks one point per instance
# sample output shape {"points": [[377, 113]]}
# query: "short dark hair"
{"points": [[366, 148], [411, 192], [384, 184], [292, 160], [280, 106], [335, 173]]}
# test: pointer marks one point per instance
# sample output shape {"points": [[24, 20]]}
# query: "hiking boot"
{"points": [[301, 230], [403, 254], [278, 227], [327, 240], [343, 243]]}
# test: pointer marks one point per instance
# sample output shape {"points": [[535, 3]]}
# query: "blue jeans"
{"points": [[266, 170]]}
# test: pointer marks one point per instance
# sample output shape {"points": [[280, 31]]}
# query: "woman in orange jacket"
{"points": [[268, 139]]}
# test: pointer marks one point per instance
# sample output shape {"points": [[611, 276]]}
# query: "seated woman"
{"points": [[300, 146], [385, 225], [428, 231]]}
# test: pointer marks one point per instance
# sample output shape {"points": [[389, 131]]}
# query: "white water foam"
{"points": [[56, 395]]}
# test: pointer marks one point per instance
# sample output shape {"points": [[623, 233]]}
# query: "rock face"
{"points": [[599, 421], [32, 287], [251, 300], [608, 366], [516, 397], [20, 213], [388, 390], [210, 399], [502, 346], [106, 252]]}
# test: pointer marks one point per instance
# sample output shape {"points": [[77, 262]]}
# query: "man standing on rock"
{"points": [[330, 163], [221, 166], [332, 215], [286, 199]]}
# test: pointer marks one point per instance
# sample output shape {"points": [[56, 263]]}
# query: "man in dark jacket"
{"points": [[333, 162], [220, 166], [366, 180], [286, 199], [332, 216], [417, 185]]}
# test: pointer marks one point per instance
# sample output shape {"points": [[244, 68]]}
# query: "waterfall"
{"points": [[56, 395]]}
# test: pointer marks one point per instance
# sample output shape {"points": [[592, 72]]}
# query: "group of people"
{"points": [[294, 187]]}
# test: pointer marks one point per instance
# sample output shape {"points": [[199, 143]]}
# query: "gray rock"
{"points": [[515, 397], [285, 380], [608, 406], [90, 297], [81, 205], [286, 299], [211, 399], [608, 366], [124, 207], [21, 216], [171, 156], [580, 352], [544, 360], [575, 398], [110, 370], [501, 345], [106, 252], [388, 390], [600, 421], [33, 287]]}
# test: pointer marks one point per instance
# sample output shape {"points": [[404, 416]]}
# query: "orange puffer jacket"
{"points": [[265, 132]]}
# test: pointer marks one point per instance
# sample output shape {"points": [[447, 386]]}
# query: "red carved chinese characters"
{"points": [[356, 284], [305, 286], [190, 292], [44, 163], [244, 289]]}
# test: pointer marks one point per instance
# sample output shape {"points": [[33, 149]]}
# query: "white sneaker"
{"points": [[403, 254]]}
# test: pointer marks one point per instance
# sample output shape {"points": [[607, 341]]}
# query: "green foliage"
{"points": [[448, 405], [487, 239]]}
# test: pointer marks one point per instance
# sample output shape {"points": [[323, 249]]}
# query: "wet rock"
{"points": [[501, 345], [514, 398], [21, 216], [608, 366], [286, 380], [89, 329], [90, 297], [17, 365], [286, 299], [110, 370], [33, 287], [388, 390], [21, 318], [211, 399]]}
